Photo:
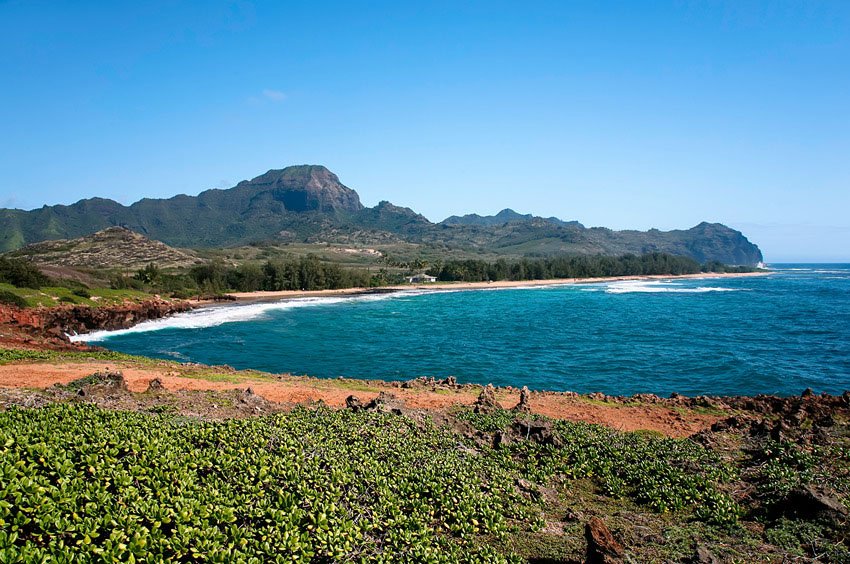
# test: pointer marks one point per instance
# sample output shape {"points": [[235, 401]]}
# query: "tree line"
{"points": [[583, 266], [311, 273], [216, 277]]}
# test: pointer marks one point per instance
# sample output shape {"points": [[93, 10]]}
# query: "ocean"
{"points": [[776, 334]]}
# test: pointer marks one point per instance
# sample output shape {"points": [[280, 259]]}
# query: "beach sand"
{"points": [[438, 286]]}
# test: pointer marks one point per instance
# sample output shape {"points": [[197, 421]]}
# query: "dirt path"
{"points": [[295, 389]]}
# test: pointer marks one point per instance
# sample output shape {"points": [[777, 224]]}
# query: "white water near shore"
{"points": [[657, 286], [219, 315], [212, 316]]}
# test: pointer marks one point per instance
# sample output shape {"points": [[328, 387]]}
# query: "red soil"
{"points": [[294, 389]]}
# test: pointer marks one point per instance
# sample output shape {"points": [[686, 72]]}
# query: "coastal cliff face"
{"points": [[56, 322]]}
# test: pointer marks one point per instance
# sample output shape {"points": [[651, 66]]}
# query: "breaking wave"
{"points": [[653, 287], [214, 316]]}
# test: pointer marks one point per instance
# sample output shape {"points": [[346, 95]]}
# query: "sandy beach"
{"points": [[438, 286]]}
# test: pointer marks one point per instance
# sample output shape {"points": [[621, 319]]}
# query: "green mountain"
{"points": [[309, 204], [507, 215]]}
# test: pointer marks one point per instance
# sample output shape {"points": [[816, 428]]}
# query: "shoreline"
{"points": [[49, 328], [266, 296]]}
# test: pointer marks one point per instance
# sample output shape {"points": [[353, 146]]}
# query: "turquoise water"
{"points": [[777, 334]]}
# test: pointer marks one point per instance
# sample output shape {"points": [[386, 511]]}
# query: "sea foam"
{"points": [[219, 315], [653, 287]]}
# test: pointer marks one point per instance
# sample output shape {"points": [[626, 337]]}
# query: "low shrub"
{"points": [[313, 485], [10, 298]]}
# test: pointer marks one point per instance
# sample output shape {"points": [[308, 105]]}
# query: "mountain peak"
{"points": [[304, 188]]}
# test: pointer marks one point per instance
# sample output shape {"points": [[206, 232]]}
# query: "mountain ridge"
{"points": [[507, 215], [308, 203]]}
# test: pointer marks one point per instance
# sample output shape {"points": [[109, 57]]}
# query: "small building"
{"points": [[419, 278]]}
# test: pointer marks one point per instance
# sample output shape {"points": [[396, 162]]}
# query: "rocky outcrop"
{"points": [[303, 189], [486, 401], [602, 547], [524, 401], [809, 502], [100, 385], [383, 402], [60, 321], [155, 386]]}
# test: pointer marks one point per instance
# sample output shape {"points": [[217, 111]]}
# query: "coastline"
{"points": [[265, 296], [49, 327]]}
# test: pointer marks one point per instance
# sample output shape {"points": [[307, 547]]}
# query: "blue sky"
{"points": [[622, 114]]}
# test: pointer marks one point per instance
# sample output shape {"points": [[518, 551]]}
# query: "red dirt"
{"points": [[294, 389]]}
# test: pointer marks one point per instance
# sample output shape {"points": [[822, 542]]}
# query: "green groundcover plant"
{"points": [[82, 484]]}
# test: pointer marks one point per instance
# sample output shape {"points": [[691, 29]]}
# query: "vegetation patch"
{"points": [[661, 473], [313, 485], [18, 355]]}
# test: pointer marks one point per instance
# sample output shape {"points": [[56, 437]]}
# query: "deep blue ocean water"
{"points": [[777, 334]]}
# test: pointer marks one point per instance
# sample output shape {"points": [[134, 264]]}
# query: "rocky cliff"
{"points": [[57, 322]]}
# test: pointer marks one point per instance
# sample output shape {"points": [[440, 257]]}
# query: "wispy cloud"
{"points": [[274, 95], [267, 96]]}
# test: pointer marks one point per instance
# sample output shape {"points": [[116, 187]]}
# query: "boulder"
{"points": [[602, 547], [385, 403], [703, 555], [540, 432], [808, 502], [353, 403], [156, 385], [108, 381]]}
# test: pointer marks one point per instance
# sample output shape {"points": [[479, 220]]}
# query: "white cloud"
{"points": [[274, 95]]}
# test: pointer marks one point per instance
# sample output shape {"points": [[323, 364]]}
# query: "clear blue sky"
{"points": [[622, 114]]}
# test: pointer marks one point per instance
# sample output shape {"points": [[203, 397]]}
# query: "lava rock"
{"points": [[156, 385], [810, 503], [524, 398], [602, 547], [353, 403], [486, 402]]}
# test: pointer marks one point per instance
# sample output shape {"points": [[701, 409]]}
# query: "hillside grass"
{"points": [[10, 356], [57, 295]]}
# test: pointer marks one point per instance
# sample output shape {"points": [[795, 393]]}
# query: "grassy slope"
{"points": [[51, 296]]}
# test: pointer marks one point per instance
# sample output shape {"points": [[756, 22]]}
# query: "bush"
{"points": [[82, 293], [21, 273], [182, 295], [9, 298]]}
